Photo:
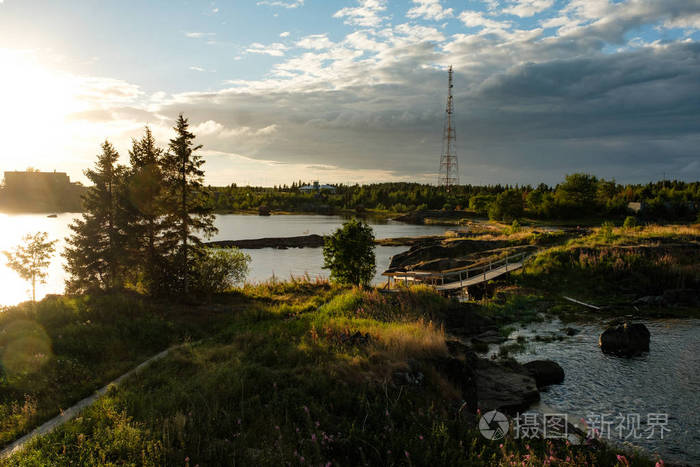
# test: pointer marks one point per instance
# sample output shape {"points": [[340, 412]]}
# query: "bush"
{"points": [[606, 232], [218, 269], [515, 227], [630, 222], [349, 254]]}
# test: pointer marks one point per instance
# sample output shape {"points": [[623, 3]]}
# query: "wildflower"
{"points": [[277, 427], [313, 437], [622, 459], [420, 437], [660, 463]]}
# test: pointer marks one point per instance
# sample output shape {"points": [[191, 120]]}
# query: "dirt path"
{"points": [[71, 412]]}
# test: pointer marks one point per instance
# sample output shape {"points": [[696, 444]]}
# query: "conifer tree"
{"points": [[144, 205], [95, 253], [187, 209]]}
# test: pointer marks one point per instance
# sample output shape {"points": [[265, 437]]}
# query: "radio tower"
{"points": [[449, 166]]}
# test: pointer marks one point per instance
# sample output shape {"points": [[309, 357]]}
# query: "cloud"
{"points": [[475, 19], [197, 68], [429, 9], [591, 85], [284, 34], [315, 41], [367, 14], [275, 49], [199, 35], [283, 4], [525, 8]]}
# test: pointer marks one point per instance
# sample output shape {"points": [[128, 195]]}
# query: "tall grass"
{"points": [[311, 385]]}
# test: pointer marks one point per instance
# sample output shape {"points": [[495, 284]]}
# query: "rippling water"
{"points": [[266, 262], [666, 380]]}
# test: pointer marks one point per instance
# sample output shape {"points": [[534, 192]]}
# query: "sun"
{"points": [[36, 104]]}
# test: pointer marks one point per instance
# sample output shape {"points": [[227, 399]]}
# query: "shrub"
{"points": [[218, 269], [606, 232], [630, 222], [515, 227]]}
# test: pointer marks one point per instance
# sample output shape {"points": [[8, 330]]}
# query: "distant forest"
{"points": [[578, 196]]}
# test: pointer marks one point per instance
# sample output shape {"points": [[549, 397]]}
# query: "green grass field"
{"points": [[293, 373]]}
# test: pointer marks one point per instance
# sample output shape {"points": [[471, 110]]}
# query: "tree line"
{"points": [[579, 195]]}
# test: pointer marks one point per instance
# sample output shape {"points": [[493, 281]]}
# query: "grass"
{"points": [[62, 349], [294, 373], [619, 264]]}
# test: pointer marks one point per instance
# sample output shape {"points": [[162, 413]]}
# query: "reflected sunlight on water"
{"points": [[265, 263], [15, 226]]}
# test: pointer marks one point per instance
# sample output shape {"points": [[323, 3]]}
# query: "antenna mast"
{"points": [[449, 166]]}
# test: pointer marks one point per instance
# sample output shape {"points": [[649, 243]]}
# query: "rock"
{"points": [[545, 372], [571, 331], [308, 241], [489, 337], [456, 347], [460, 374], [681, 296], [506, 386], [651, 300], [625, 340]]}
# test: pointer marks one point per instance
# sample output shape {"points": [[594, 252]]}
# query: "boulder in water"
{"points": [[545, 372], [626, 340]]}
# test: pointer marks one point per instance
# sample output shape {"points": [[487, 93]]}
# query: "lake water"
{"points": [[665, 381], [266, 262]]}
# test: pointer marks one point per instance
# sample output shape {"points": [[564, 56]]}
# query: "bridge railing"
{"points": [[458, 274]]}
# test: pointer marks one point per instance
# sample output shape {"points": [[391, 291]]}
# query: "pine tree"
{"points": [[188, 212], [96, 251], [144, 205]]}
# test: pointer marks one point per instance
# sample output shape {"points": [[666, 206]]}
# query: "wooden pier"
{"points": [[458, 279]]}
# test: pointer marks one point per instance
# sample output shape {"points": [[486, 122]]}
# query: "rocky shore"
{"points": [[302, 241]]}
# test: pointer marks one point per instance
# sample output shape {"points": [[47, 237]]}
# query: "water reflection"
{"points": [[665, 380]]}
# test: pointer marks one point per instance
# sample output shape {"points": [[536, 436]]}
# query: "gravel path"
{"points": [[71, 412]]}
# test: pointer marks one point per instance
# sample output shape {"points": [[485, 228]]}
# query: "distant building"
{"points": [[316, 187], [635, 207], [34, 191], [33, 181]]}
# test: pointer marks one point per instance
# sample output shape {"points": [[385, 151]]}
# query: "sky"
{"points": [[353, 91]]}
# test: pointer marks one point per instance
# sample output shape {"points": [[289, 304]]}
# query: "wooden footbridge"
{"points": [[458, 279]]}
